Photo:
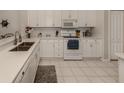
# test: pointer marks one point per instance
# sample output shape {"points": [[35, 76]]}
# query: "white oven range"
{"points": [[72, 48]]}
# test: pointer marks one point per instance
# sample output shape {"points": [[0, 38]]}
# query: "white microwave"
{"points": [[69, 23]]}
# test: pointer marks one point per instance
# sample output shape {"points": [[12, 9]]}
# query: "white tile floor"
{"points": [[84, 71]]}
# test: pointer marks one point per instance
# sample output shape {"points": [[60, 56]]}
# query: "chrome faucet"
{"points": [[19, 39]]}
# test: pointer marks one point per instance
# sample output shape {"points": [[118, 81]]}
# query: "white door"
{"points": [[116, 33]]}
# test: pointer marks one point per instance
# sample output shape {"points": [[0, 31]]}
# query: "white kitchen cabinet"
{"points": [[41, 18], [44, 18], [69, 14], [51, 48], [53, 18], [87, 18], [61, 48], [84, 48], [92, 48], [58, 48], [49, 18], [57, 18], [33, 18], [43, 48], [22, 73], [89, 48], [28, 72], [47, 48], [82, 18], [91, 18]]}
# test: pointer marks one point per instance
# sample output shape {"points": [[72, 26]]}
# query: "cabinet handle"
{"points": [[23, 73]]}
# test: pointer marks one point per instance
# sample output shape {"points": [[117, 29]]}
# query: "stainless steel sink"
{"points": [[25, 46]]}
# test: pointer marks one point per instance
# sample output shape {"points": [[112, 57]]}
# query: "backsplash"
{"points": [[46, 32], [51, 32]]}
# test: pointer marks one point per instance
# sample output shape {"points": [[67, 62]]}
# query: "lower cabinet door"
{"points": [[92, 48], [29, 74], [60, 48], [43, 48]]}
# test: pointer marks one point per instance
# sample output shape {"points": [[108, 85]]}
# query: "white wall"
{"points": [[17, 20], [23, 21], [12, 17]]}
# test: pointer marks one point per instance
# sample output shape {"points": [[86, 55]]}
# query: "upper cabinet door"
{"points": [[42, 18], [57, 18], [91, 18], [49, 18], [33, 18], [82, 18], [87, 18], [53, 18], [69, 14], [45, 18]]}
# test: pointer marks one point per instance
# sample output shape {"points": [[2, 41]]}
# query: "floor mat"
{"points": [[46, 74]]}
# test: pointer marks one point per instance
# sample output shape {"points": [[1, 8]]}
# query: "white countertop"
{"points": [[5, 41], [120, 55], [54, 38], [12, 62], [49, 38]]}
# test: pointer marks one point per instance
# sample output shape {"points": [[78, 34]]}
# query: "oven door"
{"points": [[73, 44]]}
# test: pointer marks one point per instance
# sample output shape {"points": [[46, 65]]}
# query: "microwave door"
{"points": [[68, 24]]}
